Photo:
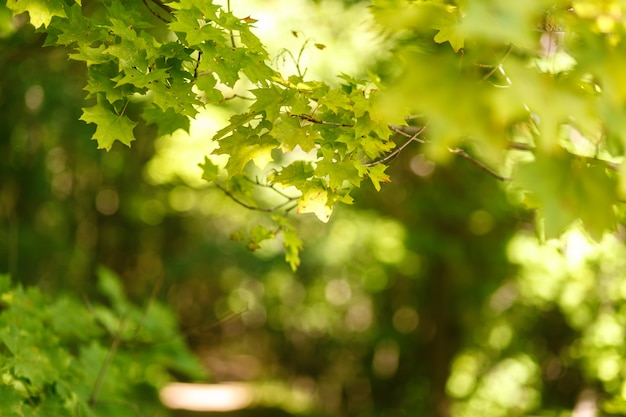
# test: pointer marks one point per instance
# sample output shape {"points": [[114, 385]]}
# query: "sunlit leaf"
{"points": [[314, 200]]}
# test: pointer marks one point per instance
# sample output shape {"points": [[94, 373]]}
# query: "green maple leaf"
{"points": [[293, 245], [243, 147], [336, 99], [371, 146], [109, 126], [337, 171], [178, 96], [167, 122], [570, 188], [450, 33], [91, 55], [296, 174], [210, 171], [100, 81], [236, 121], [128, 54], [254, 67], [314, 200], [40, 11], [291, 134], [194, 29], [74, 28], [137, 78], [223, 60], [377, 175], [207, 83], [270, 100], [365, 124]]}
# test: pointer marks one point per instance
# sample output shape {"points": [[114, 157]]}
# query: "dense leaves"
{"points": [[541, 76], [61, 357]]}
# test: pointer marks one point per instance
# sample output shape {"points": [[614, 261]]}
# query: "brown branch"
{"points": [[520, 146], [479, 164], [195, 70], [413, 138], [232, 36], [251, 207], [162, 6], [320, 122]]}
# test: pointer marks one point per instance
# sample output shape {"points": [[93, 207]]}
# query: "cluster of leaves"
{"points": [[537, 86], [61, 357], [542, 79]]}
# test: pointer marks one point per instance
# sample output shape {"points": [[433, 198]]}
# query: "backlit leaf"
{"points": [[314, 200]]}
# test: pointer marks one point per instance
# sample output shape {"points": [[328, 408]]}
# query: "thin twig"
{"points": [[228, 318], [155, 290], [395, 153], [249, 206], [195, 70], [495, 67], [479, 164], [95, 316], [320, 122], [520, 146], [163, 6], [232, 36], [408, 131], [234, 96], [273, 187], [117, 339]]}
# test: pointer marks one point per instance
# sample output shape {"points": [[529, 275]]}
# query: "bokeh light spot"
{"points": [[107, 201]]}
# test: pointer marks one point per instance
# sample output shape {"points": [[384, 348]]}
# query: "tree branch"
{"points": [[251, 207], [479, 164], [320, 122], [168, 9], [117, 339], [395, 153]]}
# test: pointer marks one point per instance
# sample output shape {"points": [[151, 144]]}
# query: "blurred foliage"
{"points": [[56, 360], [431, 297]]}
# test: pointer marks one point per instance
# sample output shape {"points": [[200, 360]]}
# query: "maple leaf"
{"points": [[337, 171], [450, 34], [292, 245], [377, 175], [291, 134], [297, 174], [315, 200], [109, 126], [167, 121], [570, 188], [40, 11]]}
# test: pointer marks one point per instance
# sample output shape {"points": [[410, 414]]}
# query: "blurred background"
{"points": [[430, 298]]}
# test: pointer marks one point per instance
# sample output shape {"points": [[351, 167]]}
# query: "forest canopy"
{"points": [[534, 98]]}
